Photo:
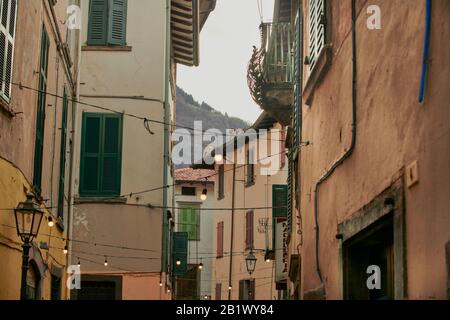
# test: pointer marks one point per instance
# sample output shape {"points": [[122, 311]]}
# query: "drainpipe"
{"points": [[166, 140], [426, 51], [230, 272], [347, 153]]}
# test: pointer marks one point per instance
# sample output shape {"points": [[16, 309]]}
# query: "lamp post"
{"points": [[250, 262], [28, 216]]}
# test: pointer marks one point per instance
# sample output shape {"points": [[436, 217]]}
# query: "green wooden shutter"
{"points": [[98, 23], [279, 201], [40, 114], [180, 251], [62, 156], [110, 176], [90, 155], [182, 220], [117, 22]]}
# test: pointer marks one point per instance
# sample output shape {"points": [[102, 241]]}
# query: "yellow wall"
{"points": [[12, 190]]}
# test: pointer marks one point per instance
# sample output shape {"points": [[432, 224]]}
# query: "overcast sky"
{"points": [[225, 48]]}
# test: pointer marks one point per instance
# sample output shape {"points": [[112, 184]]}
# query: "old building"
{"points": [[369, 143], [123, 175], [194, 197], [38, 70], [251, 195]]}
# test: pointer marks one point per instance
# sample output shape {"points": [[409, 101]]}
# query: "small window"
{"points": [[188, 191], [107, 23], [189, 221], [221, 194], [249, 222], [250, 168], [219, 251], [218, 291]]}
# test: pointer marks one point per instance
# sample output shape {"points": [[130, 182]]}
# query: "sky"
{"points": [[225, 49]]}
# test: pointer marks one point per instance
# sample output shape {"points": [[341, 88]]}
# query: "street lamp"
{"points": [[250, 261], [28, 216]]}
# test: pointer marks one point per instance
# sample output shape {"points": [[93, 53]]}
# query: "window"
{"points": [[218, 291], [247, 289], [221, 194], [279, 201], [8, 14], [62, 156], [220, 239], [188, 191], [189, 221], [249, 230], [107, 23], [55, 290], [317, 32], [40, 115], [101, 155], [250, 168], [32, 283]]}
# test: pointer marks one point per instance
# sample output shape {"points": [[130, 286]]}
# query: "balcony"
{"points": [[270, 71]]}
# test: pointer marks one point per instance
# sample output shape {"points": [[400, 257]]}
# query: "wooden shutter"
{"points": [[279, 201], [98, 23], [180, 251], [111, 154], [298, 70], [117, 22], [241, 289], [252, 290], [90, 154], [221, 181], [218, 291], [220, 239], [40, 114], [316, 30], [249, 230], [8, 16], [62, 156]]}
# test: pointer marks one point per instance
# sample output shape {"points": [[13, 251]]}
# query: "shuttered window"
{"points": [[40, 114], [250, 170], [8, 16], [180, 253], [219, 240], [247, 289], [249, 230], [279, 201], [107, 23], [189, 221], [62, 156], [101, 155], [298, 70], [218, 291], [317, 32], [221, 181]]}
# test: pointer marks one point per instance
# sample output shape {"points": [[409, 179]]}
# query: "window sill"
{"points": [[322, 65], [107, 48], [6, 108], [111, 200]]}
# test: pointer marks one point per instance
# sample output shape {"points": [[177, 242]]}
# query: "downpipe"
{"points": [[347, 153]]}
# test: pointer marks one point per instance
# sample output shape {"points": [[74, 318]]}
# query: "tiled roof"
{"points": [[189, 174]]}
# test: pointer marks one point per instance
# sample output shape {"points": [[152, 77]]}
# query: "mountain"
{"points": [[189, 110]]}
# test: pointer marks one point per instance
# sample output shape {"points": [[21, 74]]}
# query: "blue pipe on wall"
{"points": [[426, 52]]}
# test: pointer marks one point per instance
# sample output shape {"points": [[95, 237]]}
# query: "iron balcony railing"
{"points": [[272, 63], [277, 43]]}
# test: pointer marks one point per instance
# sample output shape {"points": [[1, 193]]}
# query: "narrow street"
{"points": [[228, 150]]}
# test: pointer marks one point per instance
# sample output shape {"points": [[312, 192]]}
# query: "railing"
{"points": [[277, 42], [272, 64]]}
